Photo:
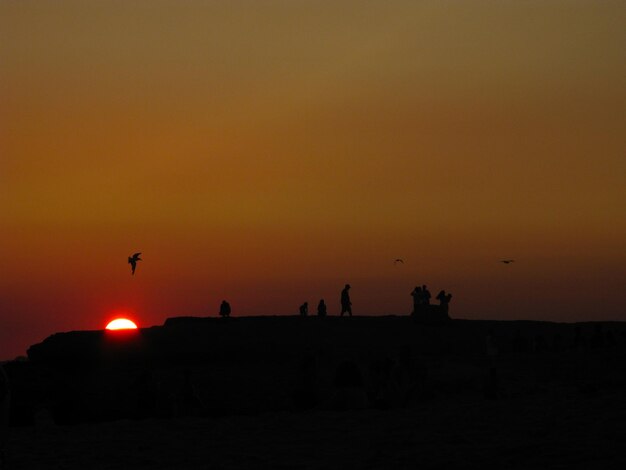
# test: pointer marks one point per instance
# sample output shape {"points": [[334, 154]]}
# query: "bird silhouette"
{"points": [[132, 260], [507, 261], [398, 260]]}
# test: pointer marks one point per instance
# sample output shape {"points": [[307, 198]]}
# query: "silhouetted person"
{"points": [[224, 309], [132, 260], [321, 308], [417, 299], [444, 300], [304, 309], [426, 295], [346, 304]]}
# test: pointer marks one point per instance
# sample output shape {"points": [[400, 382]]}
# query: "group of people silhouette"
{"points": [[321, 309], [421, 300], [421, 303], [346, 305]]}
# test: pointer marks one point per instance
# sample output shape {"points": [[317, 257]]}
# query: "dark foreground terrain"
{"points": [[278, 392]]}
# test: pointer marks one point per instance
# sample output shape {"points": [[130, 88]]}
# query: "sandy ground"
{"points": [[547, 430]]}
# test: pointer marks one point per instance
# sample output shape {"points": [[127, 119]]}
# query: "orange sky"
{"points": [[269, 152]]}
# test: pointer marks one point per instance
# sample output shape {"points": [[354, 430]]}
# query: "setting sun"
{"points": [[121, 324]]}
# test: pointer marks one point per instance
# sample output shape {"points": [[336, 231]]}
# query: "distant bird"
{"points": [[398, 260], [507, 261], [132, 260]]}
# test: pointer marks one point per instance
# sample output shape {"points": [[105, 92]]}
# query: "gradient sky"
{"points": [[267, 152]]}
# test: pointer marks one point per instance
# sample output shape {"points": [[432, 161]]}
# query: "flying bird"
{"points": [[132, 260], [507, 261], [398, 260]]}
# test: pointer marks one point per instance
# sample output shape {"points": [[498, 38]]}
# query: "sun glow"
{"points": [[121, 324]]}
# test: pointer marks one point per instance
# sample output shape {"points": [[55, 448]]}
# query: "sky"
{"points": [[268, 152]]}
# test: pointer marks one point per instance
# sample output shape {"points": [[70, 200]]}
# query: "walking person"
{"points": [[346, 304]]}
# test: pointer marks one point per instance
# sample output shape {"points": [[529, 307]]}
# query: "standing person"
{"points": [[444, 300], [224, 309], [417, 299], [346, 304], [304, 309], [426, 295], [321, 308]]}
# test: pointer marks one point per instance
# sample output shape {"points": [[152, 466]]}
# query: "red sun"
{"points": [[121, 324]]}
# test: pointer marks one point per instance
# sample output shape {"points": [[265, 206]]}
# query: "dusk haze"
{"points": [[270, 152]]}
